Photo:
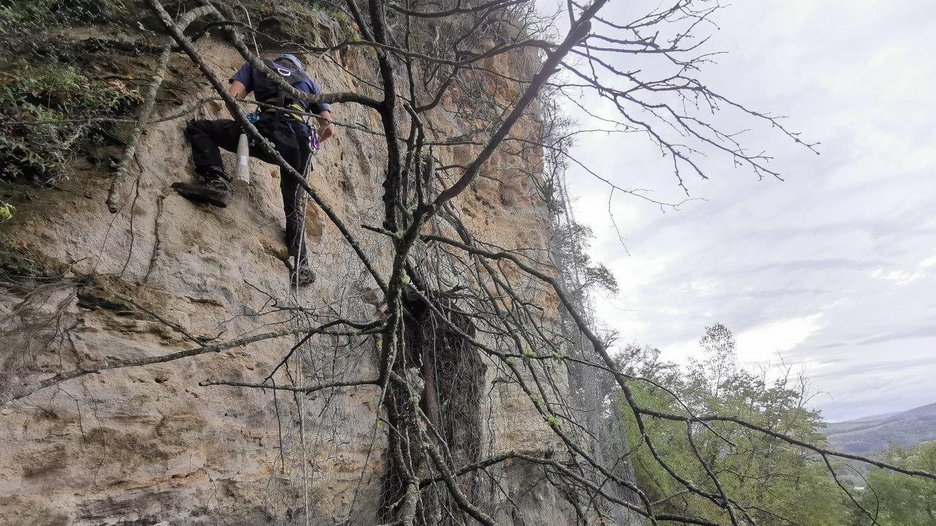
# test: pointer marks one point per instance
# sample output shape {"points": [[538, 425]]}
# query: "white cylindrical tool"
{"points": [[242, 173]]}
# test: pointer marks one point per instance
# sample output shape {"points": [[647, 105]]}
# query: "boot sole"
{"points": [[301, 282], [198, 195]]}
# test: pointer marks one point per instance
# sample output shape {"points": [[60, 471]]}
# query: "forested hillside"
{"points": [[872, 435]]}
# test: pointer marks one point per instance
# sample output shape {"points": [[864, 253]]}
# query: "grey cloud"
{"points": [[870, 368], [822, 264], [808, 245], [915, 333]]}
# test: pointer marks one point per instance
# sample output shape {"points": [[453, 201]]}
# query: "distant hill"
{"points": [[871, 435]]}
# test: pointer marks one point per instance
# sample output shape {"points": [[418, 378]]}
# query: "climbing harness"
{"points": [[294, 78]]}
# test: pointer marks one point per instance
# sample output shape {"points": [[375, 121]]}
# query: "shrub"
{"points": [[48, 111], [54, 12]]}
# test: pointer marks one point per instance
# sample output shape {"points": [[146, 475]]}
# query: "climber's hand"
{"points": [[327, 129]]}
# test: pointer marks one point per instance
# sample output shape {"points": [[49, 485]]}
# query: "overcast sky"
{"points": [[833, 269]]}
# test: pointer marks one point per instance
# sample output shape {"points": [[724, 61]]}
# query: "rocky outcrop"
{"points": [[153, 444]]}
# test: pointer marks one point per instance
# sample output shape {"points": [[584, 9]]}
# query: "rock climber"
{"points": [[279, 120]]}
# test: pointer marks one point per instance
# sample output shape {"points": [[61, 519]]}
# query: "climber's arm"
{"points": [[241, 83], [238, 91], [326, 128]]}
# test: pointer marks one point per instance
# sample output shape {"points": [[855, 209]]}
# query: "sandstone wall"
{"points": [[149, 445]]}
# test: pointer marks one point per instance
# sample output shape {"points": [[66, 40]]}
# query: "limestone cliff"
{"points": [[152, 444]]}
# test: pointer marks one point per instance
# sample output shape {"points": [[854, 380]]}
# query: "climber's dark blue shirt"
{"points": [[265, 90]]}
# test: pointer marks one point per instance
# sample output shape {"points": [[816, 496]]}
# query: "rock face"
{"points": [[150, 445]]}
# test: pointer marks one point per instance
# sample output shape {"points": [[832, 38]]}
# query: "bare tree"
{"points": [[456, 303]]}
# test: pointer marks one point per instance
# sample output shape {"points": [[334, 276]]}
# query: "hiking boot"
{"points": [[211, 186], [302, 276]]}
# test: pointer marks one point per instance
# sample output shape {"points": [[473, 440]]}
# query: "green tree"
{"points": [[773, 481], [902, 500]]}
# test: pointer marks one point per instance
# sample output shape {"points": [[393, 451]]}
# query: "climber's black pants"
{"points": [[291, 142]]}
